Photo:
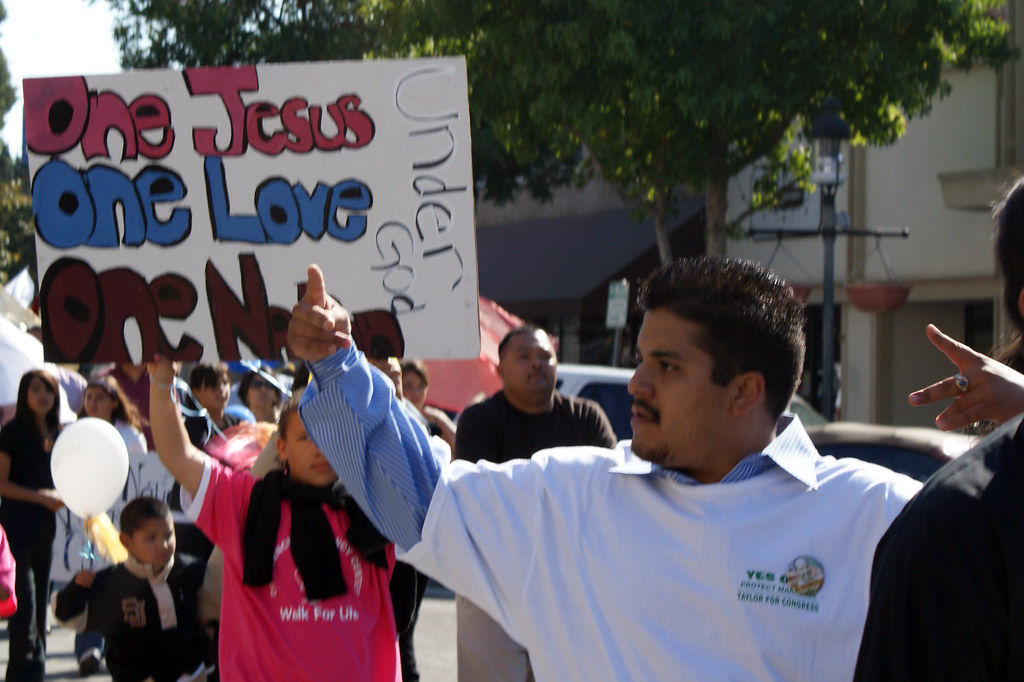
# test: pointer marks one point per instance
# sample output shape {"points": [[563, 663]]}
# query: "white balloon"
{"points": [[89, 463]]}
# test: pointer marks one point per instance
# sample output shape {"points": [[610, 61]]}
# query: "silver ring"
{"points": [[961, 382]]}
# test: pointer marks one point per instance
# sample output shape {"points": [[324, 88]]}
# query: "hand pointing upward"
{"points": [[319, 324]]}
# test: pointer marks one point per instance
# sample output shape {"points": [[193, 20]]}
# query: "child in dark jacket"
{"points": [[146, 606]]}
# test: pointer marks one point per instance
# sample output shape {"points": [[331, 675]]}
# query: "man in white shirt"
{"points": [[726, 548]]}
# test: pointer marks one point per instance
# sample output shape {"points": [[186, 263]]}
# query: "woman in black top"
{"points": [[27, 513]]}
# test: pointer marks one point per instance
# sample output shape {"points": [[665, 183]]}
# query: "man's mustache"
{"points": [[651, 410]]}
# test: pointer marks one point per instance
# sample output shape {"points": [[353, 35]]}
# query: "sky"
{"points": [[54, 38]]}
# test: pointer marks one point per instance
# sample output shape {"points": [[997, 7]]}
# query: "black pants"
{"points": [[405, 649], [27, 627]]}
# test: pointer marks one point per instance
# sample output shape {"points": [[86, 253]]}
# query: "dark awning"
{"points": [[562, 265]]}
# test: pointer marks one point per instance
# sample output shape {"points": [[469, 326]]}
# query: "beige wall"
{"points": [[902, 188]]}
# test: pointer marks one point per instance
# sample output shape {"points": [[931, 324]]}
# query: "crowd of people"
{"points": [[715, 544]]}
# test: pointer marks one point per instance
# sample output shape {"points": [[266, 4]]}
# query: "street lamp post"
{"points": [[827, 135]]}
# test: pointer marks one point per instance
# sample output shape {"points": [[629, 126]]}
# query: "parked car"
{"points": [[912, 450], [606, 385], [915, 451]]}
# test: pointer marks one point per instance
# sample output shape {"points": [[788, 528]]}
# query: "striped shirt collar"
{"points": [[791, 450]]}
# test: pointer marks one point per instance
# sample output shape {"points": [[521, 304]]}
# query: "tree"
{"points": [[672, 96], [171, 33], [17, 244]]}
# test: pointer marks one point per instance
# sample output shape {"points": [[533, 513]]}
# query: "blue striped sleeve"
{"points": [[382, 456]]}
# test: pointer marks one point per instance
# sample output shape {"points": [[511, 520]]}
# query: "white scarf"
{"points": [[161, 590]]}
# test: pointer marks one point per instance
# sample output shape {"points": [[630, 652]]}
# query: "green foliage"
{"points": [[17, 234], [7, 95], [177, 34], [172, 33], [666, 94], [17, 243]]}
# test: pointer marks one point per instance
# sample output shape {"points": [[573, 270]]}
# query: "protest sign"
{"points": [[176, 211]]}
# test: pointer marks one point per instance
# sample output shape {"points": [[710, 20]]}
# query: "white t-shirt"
{"points": [[605, 572]]}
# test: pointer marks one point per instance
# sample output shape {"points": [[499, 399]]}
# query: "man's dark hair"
{"points": [[751, 319], [140, 510], [521, 329], [1009, 216], [206, 374]]}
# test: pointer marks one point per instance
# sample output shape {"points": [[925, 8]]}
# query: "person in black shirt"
{"points": [[146, 606], [947, 591], [27, 513], [526, 416]]}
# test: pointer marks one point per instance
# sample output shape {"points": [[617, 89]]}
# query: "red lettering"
{"points": [[228, 82], [300, 138], [85, 313], [272, 144], [107, 110], [56, 111], [152, 113], [240, 320], [357, 122]]}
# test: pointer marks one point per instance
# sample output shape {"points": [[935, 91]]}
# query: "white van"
{"points": [[606, 385]]}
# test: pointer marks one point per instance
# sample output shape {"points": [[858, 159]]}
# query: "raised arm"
{"points": [[993, 391], [184, 462], [379, 453]]}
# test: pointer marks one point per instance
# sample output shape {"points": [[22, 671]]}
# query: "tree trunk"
{"points": [[716, 203], [661, 236]]}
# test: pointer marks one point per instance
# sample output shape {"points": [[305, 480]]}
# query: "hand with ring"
{"points": [[984, 389]]}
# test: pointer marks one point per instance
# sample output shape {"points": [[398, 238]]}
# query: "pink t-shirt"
{"points": [[7, 568], [273, 632]]}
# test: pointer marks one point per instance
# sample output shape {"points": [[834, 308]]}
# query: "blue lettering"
{"points": [[278, 211], [61, 205], [155, 184], [283, 211], [72, 207], [349, 195], [226, 227]]}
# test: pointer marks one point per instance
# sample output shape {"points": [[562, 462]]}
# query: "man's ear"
{"points": [[126, 540], [749, 392]]}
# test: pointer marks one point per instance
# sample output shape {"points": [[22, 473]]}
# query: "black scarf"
{"points": [[312, 540]]}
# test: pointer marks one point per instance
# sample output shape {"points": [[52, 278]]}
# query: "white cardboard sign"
{"points": [[176, 211]]}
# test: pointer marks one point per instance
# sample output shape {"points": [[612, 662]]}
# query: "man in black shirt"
{"points": [[526, 416]]}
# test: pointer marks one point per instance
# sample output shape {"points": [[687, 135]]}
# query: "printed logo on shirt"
{"points": [[134, 611], [795, 588]]}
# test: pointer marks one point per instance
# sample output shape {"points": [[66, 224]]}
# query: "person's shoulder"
{"points": [[989, 474], [575, 459], [188, 567], [578, 404], [489, 406], [859, 477]]}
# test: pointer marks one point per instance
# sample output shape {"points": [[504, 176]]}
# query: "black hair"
{"points": [[207, 374], [246, 383], [419, 368], [23, 413], [751, 320], [1009, 220], [521, 329], [140, 510], [290, 406]]}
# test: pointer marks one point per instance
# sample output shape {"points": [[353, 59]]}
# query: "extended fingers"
{"points": [[959, 354], [940, 390], [316, 291]]}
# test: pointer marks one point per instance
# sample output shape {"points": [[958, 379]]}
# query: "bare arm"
{"points": [[994, 392], [176, 453], [443, 423]]}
